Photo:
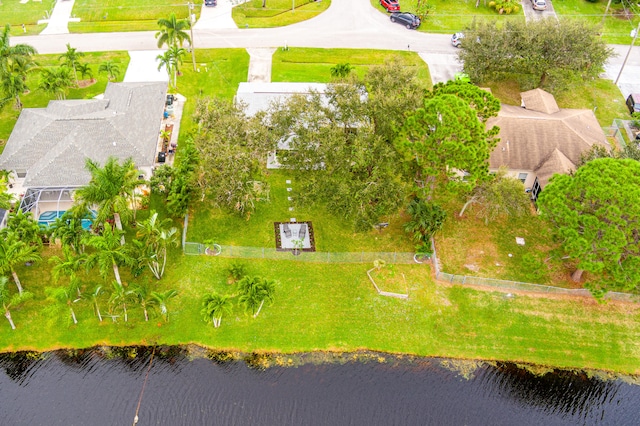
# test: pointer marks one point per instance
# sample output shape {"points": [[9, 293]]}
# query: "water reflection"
{"points": [[102, 386]]}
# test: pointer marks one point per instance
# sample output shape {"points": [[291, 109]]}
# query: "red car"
{"points": [[390, 5]]}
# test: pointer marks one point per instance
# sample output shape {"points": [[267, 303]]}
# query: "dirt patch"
{"points": [[86, 83]]}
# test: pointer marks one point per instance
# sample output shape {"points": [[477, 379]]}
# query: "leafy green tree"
{"points": [[66, 296], [499, 195], [71, 59], [12, 85], [160, 301], [426, 219], [173, 31], [542, 53], [142, 293], [110, 68], [109, 252], [23, 226], [14, 252], [341, 70], [6, 300], [506, 7], [631, 151], [254, 291], [214, 306], [12, 53], [69, 265], [480, 100], [596, 216], [94, 297], [69, 231], [231, 150], [332, 143], [111, 189], [14, 62], [6, 198], [443, 138], [56, 81], [155, 237]]}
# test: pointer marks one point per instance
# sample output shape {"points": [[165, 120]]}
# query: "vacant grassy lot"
{"points": [[15, 13], [38, 99], [314, 65], [277, 13], [452, 16], [122, 15], [339, 310], [617, 25]]}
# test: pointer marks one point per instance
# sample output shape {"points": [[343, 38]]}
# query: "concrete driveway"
{"points": [[530, 14]]}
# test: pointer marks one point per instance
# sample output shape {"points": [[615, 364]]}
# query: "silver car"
{"points": [[539, 4]]}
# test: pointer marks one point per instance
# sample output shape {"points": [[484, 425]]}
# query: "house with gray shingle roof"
{"points": [[539, 139], [48, 147]]}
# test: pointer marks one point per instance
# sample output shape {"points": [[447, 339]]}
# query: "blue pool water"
{"points": [[47, 218]]}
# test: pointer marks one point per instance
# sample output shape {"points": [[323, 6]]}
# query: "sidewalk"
{"points": [[217, 17]]}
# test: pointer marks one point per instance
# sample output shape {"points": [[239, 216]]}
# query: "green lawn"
{"points": [[122, 15], [617, 24], [15, 13], [451, 16], [338, 309], [314, 65], [38, 99], [277, 13]]}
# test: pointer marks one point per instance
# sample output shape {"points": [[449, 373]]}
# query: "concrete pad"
{"points": [[442, 66], [260, 64], [218, 17], [143, 67]]}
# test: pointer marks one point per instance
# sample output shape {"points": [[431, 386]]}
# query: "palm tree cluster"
{"points": [[15, 62], [173, 34], [113, 191], [253, 292], [57, 81]]}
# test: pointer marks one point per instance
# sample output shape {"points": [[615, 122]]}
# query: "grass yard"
{"points": [[331, 233], [339, 310], [617, 25], [314, 65], [15, 13], [122, 15], [452, 16], [38, 99], [277, 13]]}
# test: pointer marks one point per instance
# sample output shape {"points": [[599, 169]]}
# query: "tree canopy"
{"points": [[596, 216], [542, 53]]}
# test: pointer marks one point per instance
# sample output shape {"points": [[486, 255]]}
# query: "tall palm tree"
{"points": [[12, 85], [155, 238], [161, 299], [214, 306], [56, 81], [85, 70], [9, 53], [142, 293], [70, 58], [110, 189], [94, 296], [110, 68], [66, 296], [109, 252], [254, 291], [173, 31], [24, 227], [69, 230], [14, 252], [69, 265], [6, 300]]}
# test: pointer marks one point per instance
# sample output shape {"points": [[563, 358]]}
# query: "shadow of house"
{"points": [[538, 139]]}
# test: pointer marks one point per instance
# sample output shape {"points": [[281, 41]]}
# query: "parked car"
{"points": [[210, 2], [633, 102], [539, 4], [390, 5], [456, 39], [407, 19]]}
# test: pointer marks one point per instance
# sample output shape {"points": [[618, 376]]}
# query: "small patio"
{"points": [[294, 235]]}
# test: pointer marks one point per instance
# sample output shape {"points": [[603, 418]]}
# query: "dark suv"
{"points": [[633, 102], [390, 5], [407, 19]]}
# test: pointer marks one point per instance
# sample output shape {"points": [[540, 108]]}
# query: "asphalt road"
{"points": [[346, 24]]}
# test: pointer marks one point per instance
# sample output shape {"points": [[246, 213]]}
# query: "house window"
{"points": [[522, 177]]}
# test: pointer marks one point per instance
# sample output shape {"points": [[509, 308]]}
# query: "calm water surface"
{"points": [[88, 389]]}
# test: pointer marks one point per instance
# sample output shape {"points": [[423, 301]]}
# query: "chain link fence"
{"points": [[191, 248]]}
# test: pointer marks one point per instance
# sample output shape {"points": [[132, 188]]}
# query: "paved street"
{"points": [[346, 24]]}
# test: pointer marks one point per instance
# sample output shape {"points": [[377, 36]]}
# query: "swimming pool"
{"points": [[47, 218]]}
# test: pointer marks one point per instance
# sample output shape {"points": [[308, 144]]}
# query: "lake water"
{"points": [[90, 388]]}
